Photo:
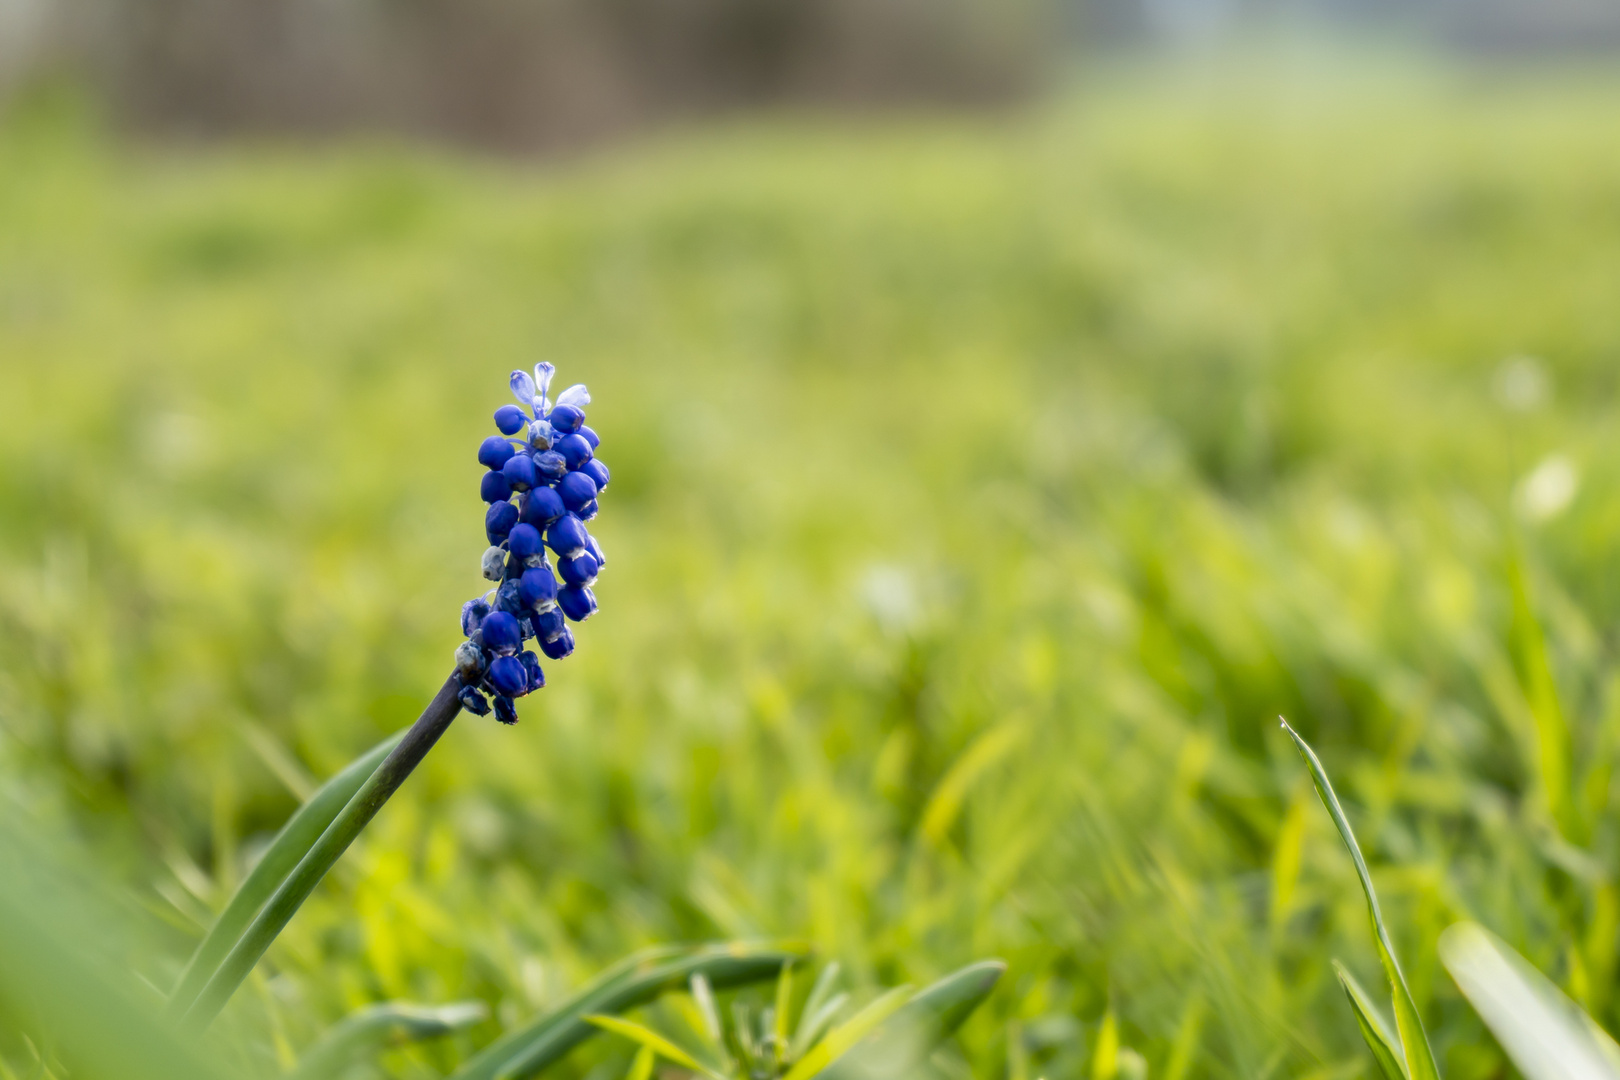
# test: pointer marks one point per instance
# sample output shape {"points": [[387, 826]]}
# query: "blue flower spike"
{"points": [[542, 483], [510, 419]]}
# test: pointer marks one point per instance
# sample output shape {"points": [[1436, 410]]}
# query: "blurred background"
{"points": [[543, 74], [1013, 408]]}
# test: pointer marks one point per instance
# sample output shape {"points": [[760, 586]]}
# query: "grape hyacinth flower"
{"points": [[542, 482]]}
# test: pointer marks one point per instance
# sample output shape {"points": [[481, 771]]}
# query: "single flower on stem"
{"points": [[542, 482]]}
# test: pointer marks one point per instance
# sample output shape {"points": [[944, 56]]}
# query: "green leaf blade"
{"points": [[390, 1023], [904, 1039], [251, 945], [1547, 1035], [634, 981], [1420, 1064], [1386, 1049], [291, 844], [651, 1040]]}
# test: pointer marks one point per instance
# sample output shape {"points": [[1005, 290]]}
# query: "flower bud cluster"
{"points": [[542, 483]]}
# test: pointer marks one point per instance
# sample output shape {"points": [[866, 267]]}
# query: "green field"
{"points": [[984, 489]]}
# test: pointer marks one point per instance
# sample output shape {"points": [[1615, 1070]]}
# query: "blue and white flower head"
{"points": [[542, 482]]}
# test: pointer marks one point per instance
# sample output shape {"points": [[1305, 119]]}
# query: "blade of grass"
{"points": [[642, 1067], [650, 1039], [633, 982], [841, 1038], [1188, 1035], [1105, 1058], [820, 991], [392, 1022], [1546, 712], [1414, 1040], [784, 999], [708, 1014], [902, 1041], [1547, 1035], [356, 814], [1374, 1028], [810, 1031], [623, 976], [290, 845]]}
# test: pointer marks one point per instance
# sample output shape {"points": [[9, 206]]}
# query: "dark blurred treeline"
{"points": [[518, 74], [530, 75]]}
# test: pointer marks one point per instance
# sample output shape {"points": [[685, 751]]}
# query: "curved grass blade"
{"points": [[1374, 1028], [356, 814], [642, 1067], [1414, 1040], [811, 1029], [784, 1001], [650, 1040], [819, 1009], [487, 1062], [1105, 1059], [634, 981], [1547, 1035], [290, 845], [902, 1041], [391, 1023], [1551, 728], [842, 1038]]}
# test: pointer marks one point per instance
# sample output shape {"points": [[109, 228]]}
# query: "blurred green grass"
{"points": [[983, 490]]}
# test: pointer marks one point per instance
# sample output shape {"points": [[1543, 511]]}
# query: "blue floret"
{"points": [[548, 624], [520, 472], [576, 601], [542, 506], [576, 489], [523, 541], [574, 450], [494, 452], [531, 666], [510, 419], [551, 465], [566, 419], [502, 635], [580, 570], [472, 614], [494, 487], [566, 536], [506, 674], [507, 598], [537, 587], [499, 520], [559, 646]]}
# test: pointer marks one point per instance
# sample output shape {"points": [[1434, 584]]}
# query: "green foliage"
{"points": [[634, 981], [291, 844], [1417, 1058], [893, 1036], [1546, 1034], [1375, 1031], [359, 1035], [982, 490]]}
